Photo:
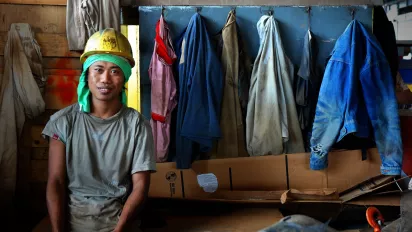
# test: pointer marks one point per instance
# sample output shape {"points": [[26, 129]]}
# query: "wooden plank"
{"points": [[43, 226], [38, 171], [390, 200], [58, 2], [56, 63], [61, 63], [36, 2], [38, 198], [40, 153], [42, 19], [62, 72], [52, 45], [61, 91], [37, 138], [23, 167]]}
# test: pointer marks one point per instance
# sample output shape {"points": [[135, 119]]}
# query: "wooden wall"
{"points": [[49, 25], [62, 68]]}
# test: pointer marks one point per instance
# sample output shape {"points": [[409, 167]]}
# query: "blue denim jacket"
{"points": [[357, 96], [200, 94]]}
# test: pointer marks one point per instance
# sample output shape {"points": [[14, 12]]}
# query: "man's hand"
{"points": [[141, 183], [56, 185]]}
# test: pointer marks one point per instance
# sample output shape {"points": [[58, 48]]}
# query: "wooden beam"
{"points": [[41, 153], [59, 2], [61, 63], [52, 45], [211, 2], [38, 171], [56, 63], [37, 139], [42, 19], [36, 2], [61, 91]]}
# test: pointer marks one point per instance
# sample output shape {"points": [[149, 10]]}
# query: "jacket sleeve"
{"points": [[328, 117], [382, 108]]}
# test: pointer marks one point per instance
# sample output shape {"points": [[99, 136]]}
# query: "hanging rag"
{"points": [[163, 91], [307, 87], [235, 93], [272, 125], [357, 92], [20, 97], [85, 17], [33, 54], [200, 94]]}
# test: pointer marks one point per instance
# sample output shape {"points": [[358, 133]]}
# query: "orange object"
{"points": [[374, 218]]}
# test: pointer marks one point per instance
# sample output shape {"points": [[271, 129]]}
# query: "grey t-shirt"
{"points": [[101, 156]]}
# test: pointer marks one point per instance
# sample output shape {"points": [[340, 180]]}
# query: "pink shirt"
{"points": [[163, 93]]}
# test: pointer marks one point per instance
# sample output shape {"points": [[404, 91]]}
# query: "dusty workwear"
{"points": [[163, 89], [357, 97], [272, 125], [20, 97], [86, 17], [235, 93], [101, 156]]}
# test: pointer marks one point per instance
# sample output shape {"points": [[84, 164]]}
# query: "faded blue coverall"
{"points": [[357, 95], [200, 94]]}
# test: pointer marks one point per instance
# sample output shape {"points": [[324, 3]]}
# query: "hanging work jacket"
{"points": [[85, 17], [307, 87], [235, 93], [200, 94], [357, 91], [163, 91], [272, 126], [20, 97]]}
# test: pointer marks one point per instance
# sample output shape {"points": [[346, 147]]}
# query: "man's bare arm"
{"points": [[56, 185], [134, 203]]}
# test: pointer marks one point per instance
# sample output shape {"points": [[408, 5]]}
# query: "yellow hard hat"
{"points": [[108, 41]]}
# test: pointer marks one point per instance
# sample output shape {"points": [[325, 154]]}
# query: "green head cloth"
{"points": [[83, 91]]}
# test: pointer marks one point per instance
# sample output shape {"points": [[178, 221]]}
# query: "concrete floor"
{"points": [[243, 220]]}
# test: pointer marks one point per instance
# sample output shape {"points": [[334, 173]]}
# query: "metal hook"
{"points": [[270, 11], [308, 10], [198, 9], [163, 10], [353, 13], [234, 10]]}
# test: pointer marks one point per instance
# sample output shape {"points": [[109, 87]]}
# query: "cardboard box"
{"points": [[345, 170], [251, 173], [252, 176], [166, 182]]}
